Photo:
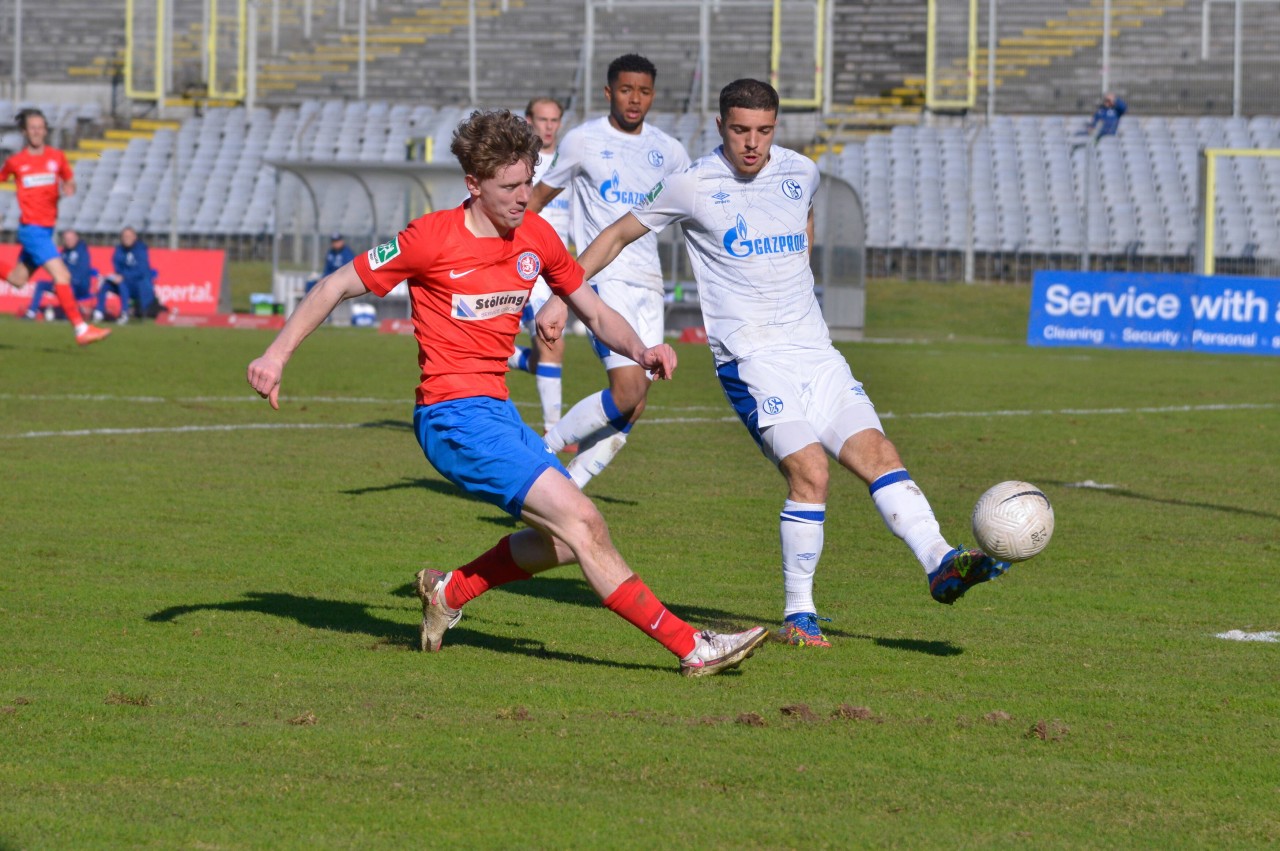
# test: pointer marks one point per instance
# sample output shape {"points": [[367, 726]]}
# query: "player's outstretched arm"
{"points": [[617, 334], [264, 373], [605, 248]]}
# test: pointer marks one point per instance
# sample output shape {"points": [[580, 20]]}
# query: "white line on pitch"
{"points": [[1172, 409]]}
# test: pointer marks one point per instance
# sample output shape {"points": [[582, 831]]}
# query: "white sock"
{"points": [[905, 510], [81, 327], [595, 454], [801, 531], [547, 380], [519, 359], [583, 420]]}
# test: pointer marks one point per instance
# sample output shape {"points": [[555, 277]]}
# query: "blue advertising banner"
{"points": [[1136, 311]]}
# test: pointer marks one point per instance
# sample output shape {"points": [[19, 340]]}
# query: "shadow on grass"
{"points": [[1184, 503], [342, 616]]}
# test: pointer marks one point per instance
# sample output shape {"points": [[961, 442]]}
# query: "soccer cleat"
{"points": [[98, 316], [30, 315], [714, 652], [802, 630], [960, 570], [122, 319], [92, 334], [437, 617]]}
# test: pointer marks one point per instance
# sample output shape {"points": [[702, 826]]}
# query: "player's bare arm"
{"points": [[67, 188], [606, 247], [265, 372], [808, 230], [618, 335], [542, 195]]}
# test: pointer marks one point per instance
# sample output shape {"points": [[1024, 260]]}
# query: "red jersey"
{"points": [[38, 176], [467, 293]]}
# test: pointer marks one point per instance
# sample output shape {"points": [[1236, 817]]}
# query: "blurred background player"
{"points": [[338, 255], [545, 360], [608, 164], [44, 177], [469, 271], [133, 279], [747, 211], [76, 256]]}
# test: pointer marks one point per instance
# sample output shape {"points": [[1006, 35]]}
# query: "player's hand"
{"points": [[264, 377], [660, 360], [551, 320]]}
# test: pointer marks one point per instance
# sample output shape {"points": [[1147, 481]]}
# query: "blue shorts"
{"points": [[483, 446], [37, 246]]}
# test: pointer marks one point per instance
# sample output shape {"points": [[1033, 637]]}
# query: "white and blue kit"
{"points": [[609, 172], [748, 242]]}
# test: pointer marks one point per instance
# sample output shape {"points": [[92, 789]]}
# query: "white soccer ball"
{"points": [[1013, 521]]}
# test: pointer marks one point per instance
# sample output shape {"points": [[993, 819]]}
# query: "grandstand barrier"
{"points": [[1200, 313], [188, 281]]}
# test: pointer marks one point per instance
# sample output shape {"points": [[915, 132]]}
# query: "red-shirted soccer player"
{"points": [[470, 270], [44, 177]]}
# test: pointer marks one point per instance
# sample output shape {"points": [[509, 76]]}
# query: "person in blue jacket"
{"points": [[76, 256], [339, 255], [133, 278], [1106, 119]]}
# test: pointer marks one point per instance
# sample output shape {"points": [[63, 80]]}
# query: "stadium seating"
{"points": [[1029, 187]]}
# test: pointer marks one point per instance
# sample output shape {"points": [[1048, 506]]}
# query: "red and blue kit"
{"points": [[37, 176], [466, 294]]}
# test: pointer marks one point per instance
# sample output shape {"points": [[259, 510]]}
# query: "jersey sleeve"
{"points": [[384, 266], [565, 164], [64, 168], [669, 202]]}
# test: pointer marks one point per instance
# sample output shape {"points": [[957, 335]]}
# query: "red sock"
{"points": [[634, 602], [494, 568], [67, 299]]}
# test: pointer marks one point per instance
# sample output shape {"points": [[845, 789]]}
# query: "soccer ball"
{"points": [[1013, 521]]}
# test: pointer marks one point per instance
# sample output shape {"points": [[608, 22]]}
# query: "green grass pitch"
{"points": [[206, 622]]}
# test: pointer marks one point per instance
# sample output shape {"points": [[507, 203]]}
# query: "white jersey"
{"points": [[748, 243], [608, 172], [557, 210]]}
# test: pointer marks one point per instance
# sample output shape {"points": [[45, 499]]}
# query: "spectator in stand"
{"points": [[1106, 119], [133, 278], [339, 255], [76, 256]]}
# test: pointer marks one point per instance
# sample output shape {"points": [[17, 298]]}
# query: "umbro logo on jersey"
{"points": [[455, 275], [606, 154], [721, 197]]}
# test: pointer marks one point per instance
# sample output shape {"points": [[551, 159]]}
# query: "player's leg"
{"points": [[622, 404], [767, 399], [38, 249], [905, 510], [601, 422], [548, 366], [37, 296], [560, 508]]}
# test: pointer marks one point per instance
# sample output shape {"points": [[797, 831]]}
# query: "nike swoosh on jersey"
{"points": [[456, 275]]}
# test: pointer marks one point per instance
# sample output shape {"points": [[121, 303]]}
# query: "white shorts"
{"points": [[642, 307], [793, 399]]}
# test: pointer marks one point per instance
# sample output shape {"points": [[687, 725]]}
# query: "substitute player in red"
{"points": [[470, 270], [44, 177]]}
